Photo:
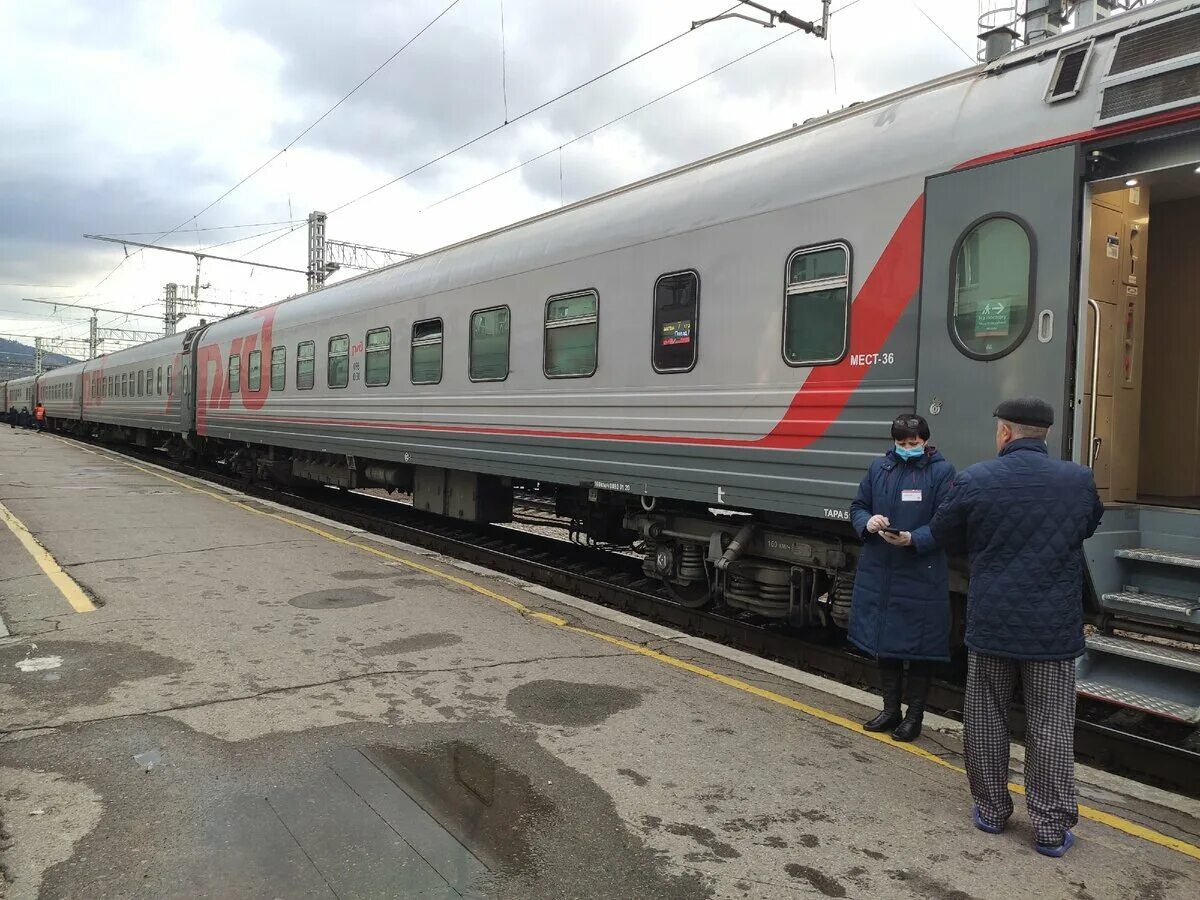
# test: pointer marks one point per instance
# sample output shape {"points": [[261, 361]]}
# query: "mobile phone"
{"points": [[890, 530]]}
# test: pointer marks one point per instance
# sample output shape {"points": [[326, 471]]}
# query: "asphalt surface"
{"points": [[264, 705]]}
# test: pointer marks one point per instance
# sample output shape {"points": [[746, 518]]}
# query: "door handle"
{"points": [[1096, 442]]}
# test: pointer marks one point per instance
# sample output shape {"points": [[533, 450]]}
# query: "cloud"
{"points": [[135, 121]]}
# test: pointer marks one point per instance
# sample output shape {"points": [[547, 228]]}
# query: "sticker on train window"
{"points": [[992, 318], [676, 333]]}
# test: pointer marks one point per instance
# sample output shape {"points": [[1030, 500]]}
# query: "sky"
{"points": [[131, 118]]}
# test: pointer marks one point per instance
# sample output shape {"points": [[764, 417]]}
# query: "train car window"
{"points": [[306, 359], [379, 357], [140, 382], [158, 382], [425, 361], [572, 335], [338, 368], [278, 368], [676, 322], [816, 311], [254, 371], [992, 291], [489, 344], [124, 384], [235, 374]]}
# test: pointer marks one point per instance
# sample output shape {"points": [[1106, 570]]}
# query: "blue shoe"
{"points": [[984, 826], [1060, 850]]}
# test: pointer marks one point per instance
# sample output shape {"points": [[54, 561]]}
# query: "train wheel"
{"points": [[693, 596]]}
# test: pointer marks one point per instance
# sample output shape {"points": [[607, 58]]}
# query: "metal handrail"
{"points": [[1094, 448]]}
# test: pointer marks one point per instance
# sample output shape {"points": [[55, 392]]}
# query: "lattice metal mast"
{"points": [[325, 256]]}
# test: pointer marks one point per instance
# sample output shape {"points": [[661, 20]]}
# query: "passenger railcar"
{"points": [[59, 391], [706, 361], [138, 391], [21, 394]]}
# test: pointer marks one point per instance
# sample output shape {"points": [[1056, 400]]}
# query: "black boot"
{"points": [[918, 691], [890, 680]]}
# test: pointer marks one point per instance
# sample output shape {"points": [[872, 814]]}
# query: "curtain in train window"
{"points": [[425, 359], [338, 369], [379, 357], [676, 322], [306, 358], [124, 384], [158, 382], [168, 381], [816, 312], [278, 368], [489, 344], [572, 333], [254, 371], [989, 310], [235, 374]]}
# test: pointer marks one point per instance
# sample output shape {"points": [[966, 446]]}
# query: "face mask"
{"points": [[909, 452]]}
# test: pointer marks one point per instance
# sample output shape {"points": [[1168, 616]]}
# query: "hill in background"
{"points": [[16, 359]]}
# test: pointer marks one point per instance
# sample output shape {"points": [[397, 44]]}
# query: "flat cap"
{"points": [[1026, 411]]}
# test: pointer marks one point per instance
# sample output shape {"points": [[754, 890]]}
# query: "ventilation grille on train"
{"points": [[1154, 68], [1157, 92], [1156, 43], [1069, 69]]}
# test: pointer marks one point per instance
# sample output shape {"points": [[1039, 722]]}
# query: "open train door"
{"points": [[997, 296]]}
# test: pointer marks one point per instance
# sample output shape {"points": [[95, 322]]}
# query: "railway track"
{"points": [[1148, 750]]}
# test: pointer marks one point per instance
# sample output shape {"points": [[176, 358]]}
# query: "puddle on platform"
{"points": [[340, 598], [570, 703], [431, 640], [492, 809]]}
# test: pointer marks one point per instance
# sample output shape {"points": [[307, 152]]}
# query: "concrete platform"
{"points": [[268, 705]]}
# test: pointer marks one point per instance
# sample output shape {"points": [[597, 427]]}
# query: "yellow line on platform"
{"points": [[1086, 812], [66, 585]]}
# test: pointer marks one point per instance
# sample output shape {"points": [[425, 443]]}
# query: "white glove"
{"points": [[876, 522]]}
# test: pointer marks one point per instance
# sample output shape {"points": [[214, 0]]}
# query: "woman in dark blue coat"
{"points": [[900, 612]]}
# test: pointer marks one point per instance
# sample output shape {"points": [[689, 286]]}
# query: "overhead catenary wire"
{"points": [[624, 115], [529, 112], [289, 145], [945, 33]]}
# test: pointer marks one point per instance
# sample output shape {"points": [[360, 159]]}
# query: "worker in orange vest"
{"points": [[39, 413]]}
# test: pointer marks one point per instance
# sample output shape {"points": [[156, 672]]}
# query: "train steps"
{"points": [[1154, 665]]}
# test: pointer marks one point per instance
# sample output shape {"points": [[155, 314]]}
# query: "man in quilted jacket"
{"points": [[1022, 518]]}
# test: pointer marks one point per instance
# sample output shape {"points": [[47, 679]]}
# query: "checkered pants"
{"points": [[1049, 689]]}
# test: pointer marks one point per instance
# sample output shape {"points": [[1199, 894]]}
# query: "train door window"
{"points": [[993, 288], [676, 321], [379, 357], [306, 359], [426, 359], [816, 312], [489, 344], [254, 371], [168, 381], [158, 381], [338, 361], [278, 368], [572, 334], [235, 374]]}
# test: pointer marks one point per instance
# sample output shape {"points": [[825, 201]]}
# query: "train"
{"points": [[702, 364]]}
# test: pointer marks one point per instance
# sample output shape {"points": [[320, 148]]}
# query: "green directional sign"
{"points": [[992, 318]]}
